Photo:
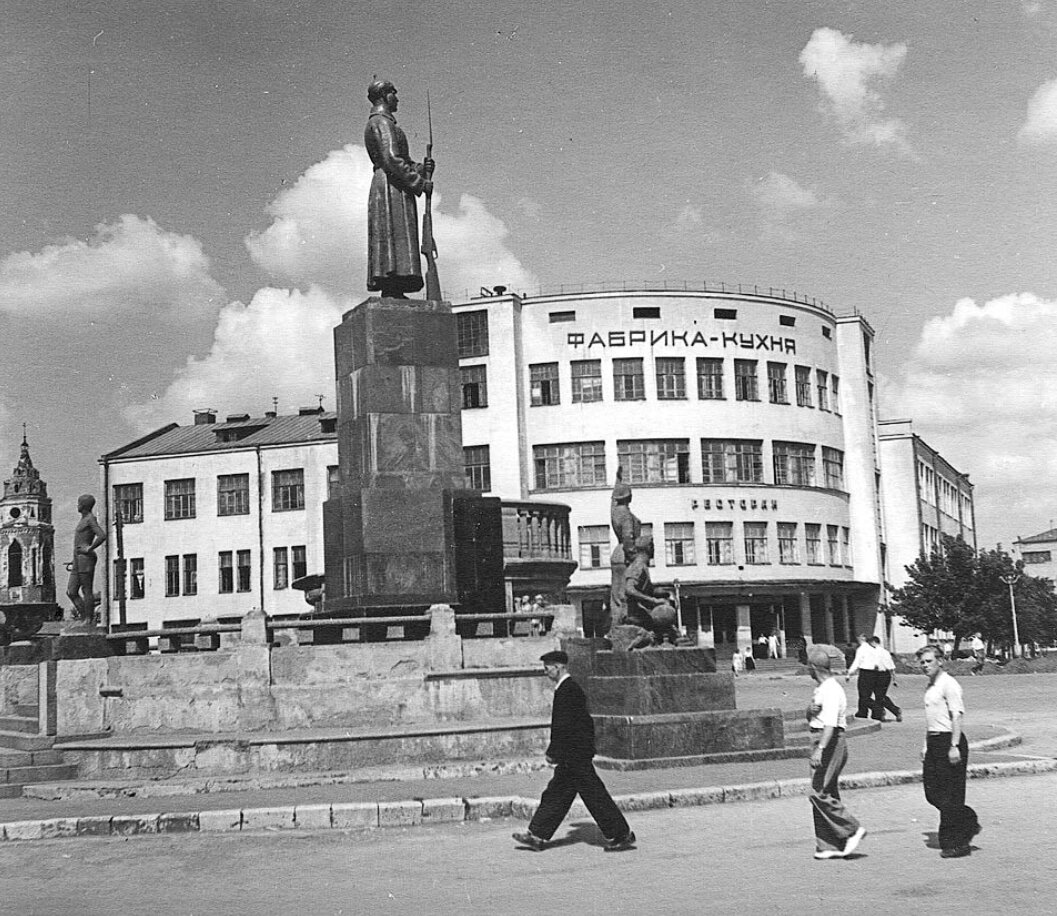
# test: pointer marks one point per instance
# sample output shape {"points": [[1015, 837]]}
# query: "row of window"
{"points": [[629, 382], [1032, 557], [680, 547], [233, 495], [234, 572], [936, 490], [723, 461]]}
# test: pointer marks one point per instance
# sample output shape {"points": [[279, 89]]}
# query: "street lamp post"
{"points": [[1012, 580], [678, 608]]}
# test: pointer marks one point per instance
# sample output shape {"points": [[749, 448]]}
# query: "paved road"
{"points": [[749, 858]]}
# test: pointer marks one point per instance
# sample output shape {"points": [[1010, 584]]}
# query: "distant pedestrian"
{"points": [[837, 833], [885, 678], [945, 756], [571, 750], [865, 665], [772, 645], [979, 654], [749, 661]]}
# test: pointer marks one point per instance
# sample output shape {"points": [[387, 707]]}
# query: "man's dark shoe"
{"points": [[976, 831], [529, 839], [899, 715], [621, 843], [955, 852]]}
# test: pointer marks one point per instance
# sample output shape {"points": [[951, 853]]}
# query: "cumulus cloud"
{"points": [[130, 265], [981, 386], [318, 234], [280, 345], [1040, 124], [780, 197], [848, 74]]}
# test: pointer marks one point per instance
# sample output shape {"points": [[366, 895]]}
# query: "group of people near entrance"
{"points": [[944, 755]]}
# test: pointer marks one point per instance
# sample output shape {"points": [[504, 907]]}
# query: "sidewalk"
{"points": [[887, 757]]}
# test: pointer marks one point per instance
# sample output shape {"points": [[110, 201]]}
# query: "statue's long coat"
{"points": [[392, 215]]}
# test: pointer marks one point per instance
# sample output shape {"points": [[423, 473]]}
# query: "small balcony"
{"points": [[537, 550]]}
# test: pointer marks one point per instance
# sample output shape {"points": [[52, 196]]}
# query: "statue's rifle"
{"points": [[429, 244]]}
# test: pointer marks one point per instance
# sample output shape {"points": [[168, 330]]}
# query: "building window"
{"points": [[788, 549], [594, 546], [646, 311], [803, 386], [543, 378], [233, 494], [242, 558], [1033, 557], [719, 543], [671, 378], [930, 539], [474, 386], [587, 380], [926, 483], [137, 578], [477, 464], [190, 573], [172, 577], [833, 467], [646, 531], [288, 490], [833, 544], [227, 573], [300, 558], [128, 502], [756, 543], [845, 545], [655, 460], [560, 317], [776, 387], [679, 543], [472, 333], [333, 481], [813, 540], [746, 387], [280, 568], [709, 379], [794, 464], [823, 389], [731, 461], [576, 464], [180, 498], [834, 387], [629, 384]]}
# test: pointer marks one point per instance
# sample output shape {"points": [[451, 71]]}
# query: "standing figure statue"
{"points": [[393, 251], [627, 528], [87, 536]]}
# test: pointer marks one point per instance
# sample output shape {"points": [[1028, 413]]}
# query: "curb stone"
{"points": [[416, 812]]}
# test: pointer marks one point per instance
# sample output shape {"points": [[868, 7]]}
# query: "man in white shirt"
{"points": [[885, 678], [837, 833], [945, 756], [865, 665]]}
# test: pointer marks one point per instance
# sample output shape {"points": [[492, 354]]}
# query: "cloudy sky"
{"points": [[184, 189]]}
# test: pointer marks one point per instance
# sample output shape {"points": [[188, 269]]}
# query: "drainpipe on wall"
{"points": [[260, 531], [104, 604]]}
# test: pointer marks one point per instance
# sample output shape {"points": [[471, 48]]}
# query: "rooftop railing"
{"points": [[651, 286]]}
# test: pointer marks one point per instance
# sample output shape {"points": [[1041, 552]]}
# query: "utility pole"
{"points": [[1011, 580]]}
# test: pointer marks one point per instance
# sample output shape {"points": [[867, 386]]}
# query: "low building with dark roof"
{"points": [[216, 518]]}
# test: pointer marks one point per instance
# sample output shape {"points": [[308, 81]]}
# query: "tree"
{"points": [[963, 592], [939, 594]]}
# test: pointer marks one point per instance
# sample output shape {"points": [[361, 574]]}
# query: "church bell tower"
{"points": [[27, 537]]}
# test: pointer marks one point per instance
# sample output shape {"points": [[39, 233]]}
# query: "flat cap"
{"points": [[555, 657]]}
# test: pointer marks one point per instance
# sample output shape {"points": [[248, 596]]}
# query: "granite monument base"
{"points": [[667, 707]]}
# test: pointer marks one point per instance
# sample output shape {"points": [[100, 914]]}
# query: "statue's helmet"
{"points": [[378, 90]]}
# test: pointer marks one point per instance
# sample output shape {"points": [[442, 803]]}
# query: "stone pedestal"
{"points": [[404, 531], [666, 707]]}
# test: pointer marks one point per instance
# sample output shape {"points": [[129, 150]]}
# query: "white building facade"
{"points": [[218, 518], [924, 497], [744, 421]]}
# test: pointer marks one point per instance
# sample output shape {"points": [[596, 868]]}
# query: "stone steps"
{"points": [[24, 741]]}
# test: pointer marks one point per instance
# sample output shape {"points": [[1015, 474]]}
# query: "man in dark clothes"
{"points": [[571, 750]]}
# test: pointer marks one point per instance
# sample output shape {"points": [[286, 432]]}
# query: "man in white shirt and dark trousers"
{"points": [[837, 833], [865, 665], [945, 756], [883, 679]]}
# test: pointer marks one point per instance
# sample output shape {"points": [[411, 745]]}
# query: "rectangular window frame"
{"points": [[128, 502], [544, 385], [180, 499], [802, 375], [629, 379], [586, 380], [477, 465], [172, 576], [710, 379], [288, 490], [190, 573], [471, 333], [726, 461], [679, 544], [719, 543], [594, 546], [670, 372], [755, 538], [233, 494], [746, 383], [474, 381], [788, 545], [280, 568], [570, 465], [654, 461], [225, 573]]}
